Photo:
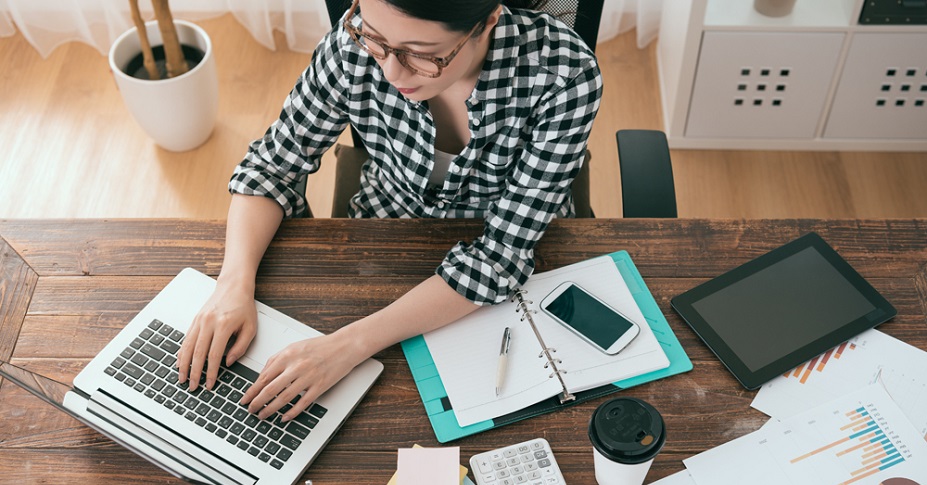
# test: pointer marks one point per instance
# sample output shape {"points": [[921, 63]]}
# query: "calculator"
{"points": [[529, 463]]}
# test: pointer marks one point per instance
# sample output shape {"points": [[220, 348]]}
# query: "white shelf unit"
{"points": [[731, 78]]}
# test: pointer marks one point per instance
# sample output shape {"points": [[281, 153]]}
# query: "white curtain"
{"points": [[46, 24]]}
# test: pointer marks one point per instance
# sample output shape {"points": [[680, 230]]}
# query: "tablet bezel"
{"points": [[683, 304]]}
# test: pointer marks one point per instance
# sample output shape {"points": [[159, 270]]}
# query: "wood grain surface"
{"points": [[69, 286]]}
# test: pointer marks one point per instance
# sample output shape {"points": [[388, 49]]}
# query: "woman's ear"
{"points": [[491, 21]]}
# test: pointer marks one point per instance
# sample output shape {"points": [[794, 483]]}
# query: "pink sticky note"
{"points": [[429, 466]]}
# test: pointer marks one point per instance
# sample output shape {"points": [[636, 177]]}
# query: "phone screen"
{"points": [[589, 316]]}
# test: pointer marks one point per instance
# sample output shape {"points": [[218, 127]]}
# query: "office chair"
{"points": [[647, 188], [582, 15]]}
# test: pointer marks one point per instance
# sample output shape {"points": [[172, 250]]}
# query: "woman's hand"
{"points": [[230, 311], [311, 366]]}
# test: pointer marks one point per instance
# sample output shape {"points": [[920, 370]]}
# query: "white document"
{"points": [[466, 352], [861, 438], [870, 357], [678, 478]]}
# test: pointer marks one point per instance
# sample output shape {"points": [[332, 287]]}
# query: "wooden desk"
{"points": [[69, 286]]}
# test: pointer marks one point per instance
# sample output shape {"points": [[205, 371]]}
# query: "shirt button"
{"points": [[440, 204], [455, 169], [476, 122]]}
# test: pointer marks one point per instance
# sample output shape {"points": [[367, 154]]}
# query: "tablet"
{"points": [[768, 316]]}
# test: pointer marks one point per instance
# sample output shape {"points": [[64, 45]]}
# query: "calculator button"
{"points": [[498, 465], [537, 445], [507, 481], [531, 467], [523, 449], [512, 461], [503, 474], [521, 479], [540, 454], [485, 466], [517, 470], [509, 453], [535, 475], [544, 464], [495, 456], [527, 458]]}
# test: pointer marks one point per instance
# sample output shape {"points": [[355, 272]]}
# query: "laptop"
{"points": [[129, 392]]}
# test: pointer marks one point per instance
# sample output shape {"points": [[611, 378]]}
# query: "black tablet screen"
{"points": [[784, 306]]}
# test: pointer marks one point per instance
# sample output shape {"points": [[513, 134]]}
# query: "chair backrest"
{"points": [[583, 16]]}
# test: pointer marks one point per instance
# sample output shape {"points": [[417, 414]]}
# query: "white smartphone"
{"points": [[592, 319]]}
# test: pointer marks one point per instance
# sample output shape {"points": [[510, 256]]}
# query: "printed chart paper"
{"points": [[862, 438], [866, 359]]}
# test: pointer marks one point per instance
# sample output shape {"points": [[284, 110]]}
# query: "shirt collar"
{"points": [[501, 60]]}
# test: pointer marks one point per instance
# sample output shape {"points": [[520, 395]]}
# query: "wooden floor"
{"points": [[69, 148]]}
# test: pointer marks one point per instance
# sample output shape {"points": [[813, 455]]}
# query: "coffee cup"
{"points": [[626, 435]]}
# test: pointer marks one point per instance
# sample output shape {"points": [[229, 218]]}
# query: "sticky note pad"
{"points": [[429, 466]]}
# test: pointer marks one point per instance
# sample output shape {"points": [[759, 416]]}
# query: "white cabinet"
{"points": [[815, 79]]}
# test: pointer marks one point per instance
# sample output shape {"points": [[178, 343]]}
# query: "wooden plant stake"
{"points": [[150, 64], [173, 53]]}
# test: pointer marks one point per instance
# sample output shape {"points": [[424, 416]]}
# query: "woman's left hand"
{"points": [[311, 366]]}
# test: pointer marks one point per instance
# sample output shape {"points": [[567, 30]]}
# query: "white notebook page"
{"points": [[466, 352]]}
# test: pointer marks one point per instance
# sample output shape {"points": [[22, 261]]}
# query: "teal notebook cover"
{"points": [[438, 406]]}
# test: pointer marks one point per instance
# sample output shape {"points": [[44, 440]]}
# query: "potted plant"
{"points": [[166, 72]]}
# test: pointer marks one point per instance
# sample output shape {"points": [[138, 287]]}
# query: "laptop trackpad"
{"points": [[271, 338]]}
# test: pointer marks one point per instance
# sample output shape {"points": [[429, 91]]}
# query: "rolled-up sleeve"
{"points": [[488, 270], [313, 116]]}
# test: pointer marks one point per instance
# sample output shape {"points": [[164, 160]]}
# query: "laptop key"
{"points": [[229, 408], [127, 353], [139, 360], [227, 377], [180, 397], [284, 454], [165, 330], [176, 335], [146, 333], [211, 427], [137, 343], [223, 390], [120, 377], [263, 427], [252, 421], [129, 382], [155, 324], [152, 366], [118, 363], [133, 371], [139, 387], [260, 441], [206, 396], [249, 435], [169, 391], [225, 422], [276, 464], [232, 439], [289, 442], [170, 347], [150, 394], [153, 352], [214, 415], [238, 383], [202, 409], [159, 399], [158, 384], [110, 371], [200, 422], [190, 404], [253, 451], [239, 369], [297, 430], [178, 410], [169, 404], [275, 434], [161, 371], [306, 420], [221, 433], [217, 402], [190, 416], [236, 429], [317, 410], [156, 339], [169, 360], [264, 457], [235, 396], [272, 448], [243, 445], [147, 379], [240, 414]]}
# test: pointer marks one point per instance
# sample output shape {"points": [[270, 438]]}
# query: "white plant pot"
{"points": [[179, 113]]}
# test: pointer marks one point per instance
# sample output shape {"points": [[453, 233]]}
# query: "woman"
{"points": [[467, 108]]}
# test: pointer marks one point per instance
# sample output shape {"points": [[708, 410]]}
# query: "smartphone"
{"points": [[592, 319]]}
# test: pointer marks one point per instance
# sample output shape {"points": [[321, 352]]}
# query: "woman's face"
{"points": [[395, 29]]}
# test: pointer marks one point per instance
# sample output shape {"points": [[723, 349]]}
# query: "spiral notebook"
{"points": [[545, 359]]}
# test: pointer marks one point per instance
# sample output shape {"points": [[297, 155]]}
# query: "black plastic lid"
{"points": [[627, 430]]}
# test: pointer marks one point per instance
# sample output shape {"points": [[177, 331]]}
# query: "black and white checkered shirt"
{"points": [[530, 116]]}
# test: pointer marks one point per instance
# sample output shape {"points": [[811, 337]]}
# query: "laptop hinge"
{"points": [[131, 421]]}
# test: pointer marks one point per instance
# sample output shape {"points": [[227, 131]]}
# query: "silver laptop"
{"points": [[129, 392]]}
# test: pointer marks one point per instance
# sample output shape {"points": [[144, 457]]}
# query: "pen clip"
{"points": [[506, 340]]}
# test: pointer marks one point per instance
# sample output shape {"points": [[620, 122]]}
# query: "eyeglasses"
{"points": [[422, 65]]}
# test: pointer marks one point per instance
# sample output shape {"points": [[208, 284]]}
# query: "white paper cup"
{"points": [[626, 435]]}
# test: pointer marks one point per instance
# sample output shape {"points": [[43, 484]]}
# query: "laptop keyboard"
{"points": [[147, 366]]}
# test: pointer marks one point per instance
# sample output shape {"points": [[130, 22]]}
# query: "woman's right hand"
{"points": [[230, 311]]}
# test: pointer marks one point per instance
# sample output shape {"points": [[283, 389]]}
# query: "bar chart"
{"points": [[862, 438]]}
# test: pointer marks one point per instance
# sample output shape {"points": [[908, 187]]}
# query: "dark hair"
{"points": [[458, 15]]}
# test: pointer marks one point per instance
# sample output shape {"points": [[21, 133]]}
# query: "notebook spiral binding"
{"points": [[546, 352]]}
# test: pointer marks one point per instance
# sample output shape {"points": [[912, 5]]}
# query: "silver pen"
{"points": [[503, 359]]}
